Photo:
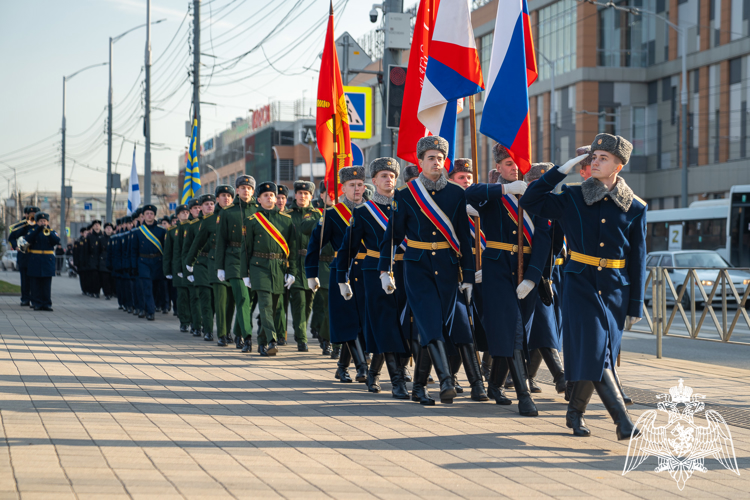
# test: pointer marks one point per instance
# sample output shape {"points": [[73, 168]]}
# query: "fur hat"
{"points": [[207, 197], [245, 180], [493, 176], [41, 215], [618, 146], [351, 173], [149, 207], [305, 186], [322, 187], [461, 165], [282, 189], [500, 152], [536, 171], [431, 142], [267, 187], [195, 202], [224, 188], [410, 172], [385, 163], [181, 208], [582, 151]]}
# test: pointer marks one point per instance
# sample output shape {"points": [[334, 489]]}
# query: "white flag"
{"points": [[134, 191]]}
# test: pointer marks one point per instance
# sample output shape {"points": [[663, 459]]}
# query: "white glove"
{"points": [[221, 275], [346, 291], [289, 281], [472, 211], [189, 268], [565, 169], [21, 242], [247, 282], [191, 278], [313, 284], [524, 288], [169, 276], [387, 282], [630, 321], [467, 288], [180, 275], [515, 187], [478, 276]]}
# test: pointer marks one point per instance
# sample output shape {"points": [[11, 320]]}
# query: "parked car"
{"points": [[708, 264], [9, 260]]}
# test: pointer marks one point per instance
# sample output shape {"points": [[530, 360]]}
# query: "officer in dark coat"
{"points": [[41, 269], [430, 212], [146, 251], [93, 256], [605, 226], [20, 230]]}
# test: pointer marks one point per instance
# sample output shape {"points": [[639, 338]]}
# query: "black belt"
{"points": [[272, 256], [235, 244], [150, 255], [302, 252]]}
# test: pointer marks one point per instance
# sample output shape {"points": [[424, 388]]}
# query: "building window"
{"points": [[485, 51], [608, 119], [556, 37], [286, 170], [626, 40], [639, 130]]}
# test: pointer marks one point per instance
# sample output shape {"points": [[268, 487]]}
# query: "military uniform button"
{"points": [[600, 292], [601, 244], [433, 253], [514, 232], [605, 199], [434, 233], [435, 272], [599, 268], [604, 220], [433, 193], [356, 279]]}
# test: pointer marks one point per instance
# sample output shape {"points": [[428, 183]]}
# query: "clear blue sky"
{"points": [[42, 40]]}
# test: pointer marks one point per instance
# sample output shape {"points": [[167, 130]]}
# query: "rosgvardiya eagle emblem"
{"points": [[681, 445]]}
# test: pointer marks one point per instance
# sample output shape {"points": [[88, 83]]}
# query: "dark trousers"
{"points": [[160, 293], [95, 281], [172, 295], [139, 293], [147, 291], [25, 285], [41, 291], [108, 286]]}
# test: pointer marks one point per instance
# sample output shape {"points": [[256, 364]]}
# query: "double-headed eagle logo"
{"points": [[681, 445]]}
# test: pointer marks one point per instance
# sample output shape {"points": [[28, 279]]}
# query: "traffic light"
{"points": [[395, 94]]}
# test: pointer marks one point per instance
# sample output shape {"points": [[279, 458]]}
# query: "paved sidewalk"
{"points": [[95, 403]]}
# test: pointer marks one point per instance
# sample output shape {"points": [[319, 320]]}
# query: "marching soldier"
{"points": [[383, 332], [270, 244], [281, 312], [230, 239], [108, 286], [93, 251], [18, 231], [139, 307], [198, 269], [173, 266], [190, 230], [322, 201], [344, 328], [146, 251], [41, 263], [319, 324], [605, 227], [585, 171], [431, 213]]}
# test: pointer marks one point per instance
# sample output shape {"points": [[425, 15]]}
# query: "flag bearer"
{"points": [[431, 213], [605, 227], [270, 243], [146, 251], [198, 267], [41, 263]]}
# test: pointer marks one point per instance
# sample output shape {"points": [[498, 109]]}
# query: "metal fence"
{"points": [[692, 301]]}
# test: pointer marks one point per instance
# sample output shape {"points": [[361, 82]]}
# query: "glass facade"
{"points": [[627, 40], [556, 37]]}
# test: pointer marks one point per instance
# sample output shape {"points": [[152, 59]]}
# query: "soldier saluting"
{"points": [[605, 226]]}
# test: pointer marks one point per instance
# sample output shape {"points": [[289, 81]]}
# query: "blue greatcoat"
{"points": [[346, 319], [145, 256], [431, 277], [507, 319], [383, 331], [595, 300], [41, 265], [546, 330]]}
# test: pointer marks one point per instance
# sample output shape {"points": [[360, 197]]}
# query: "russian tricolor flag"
{"points": [[453, 70], [505, 115]]}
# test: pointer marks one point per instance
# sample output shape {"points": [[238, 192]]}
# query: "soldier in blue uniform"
{"points": [[605, 227], [19, 230], [41, 263], [430, 212], [346, 328], [131, 256], [146, 251], [383, 335]]}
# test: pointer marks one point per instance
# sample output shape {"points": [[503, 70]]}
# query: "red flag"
{"points": [[410, 128], [332, 108]]}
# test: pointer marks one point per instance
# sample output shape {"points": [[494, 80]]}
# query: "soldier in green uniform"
{"points": [[281, 312], [196, 320], [199, 268], [178, 277], [270, 243], [230, 237], [205, 243]]}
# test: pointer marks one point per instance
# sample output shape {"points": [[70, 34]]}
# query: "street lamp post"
{"points": [[278, 165], [63, 234]]}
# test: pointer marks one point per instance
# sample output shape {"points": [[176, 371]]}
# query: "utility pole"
{"points": [[147, 117], [63, 234], [346, 59], [390, 56], [197, 73], [684, 101], [109, 138]]}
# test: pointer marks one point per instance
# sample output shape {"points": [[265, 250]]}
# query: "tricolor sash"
{"points": [[481, 234], [343, 212], [431, 210], [376, 213], [273, 232], [511, 205], [150, 237]]}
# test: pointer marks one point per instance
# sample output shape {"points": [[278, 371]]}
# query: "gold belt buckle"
{"points": [[434, 245], [603, 262], [515, 248]]}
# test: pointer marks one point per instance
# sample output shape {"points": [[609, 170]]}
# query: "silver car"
{"points": [[707, 264], [9, 260]]}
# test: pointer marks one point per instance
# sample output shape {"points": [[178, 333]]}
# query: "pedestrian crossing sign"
{"points": [[359, 105]]}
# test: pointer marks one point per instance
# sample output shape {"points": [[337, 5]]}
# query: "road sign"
{"points": [[675, 237], [173, 206], [88, 206], [357, 157], [359, 105]]}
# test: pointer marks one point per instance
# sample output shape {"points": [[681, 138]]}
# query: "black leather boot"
{"points": [[436, 348], [455, 365], [238, 343], [569, 390], [422, 367], [554, 364], [498, 374], [628, 401], [396, 372], [517, 365], [208, 336], [471, 367], [373, 374], [609, 392], [360, 361], [198, 332], [404, 360], [486, 365], [336, 352], [580, 396], [535, 361], [342, 372], [509, 382], [248, 344]]}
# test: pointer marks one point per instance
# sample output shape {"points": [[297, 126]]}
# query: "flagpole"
{"points": [[520, 234], [334, 103], [475, 173]]}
